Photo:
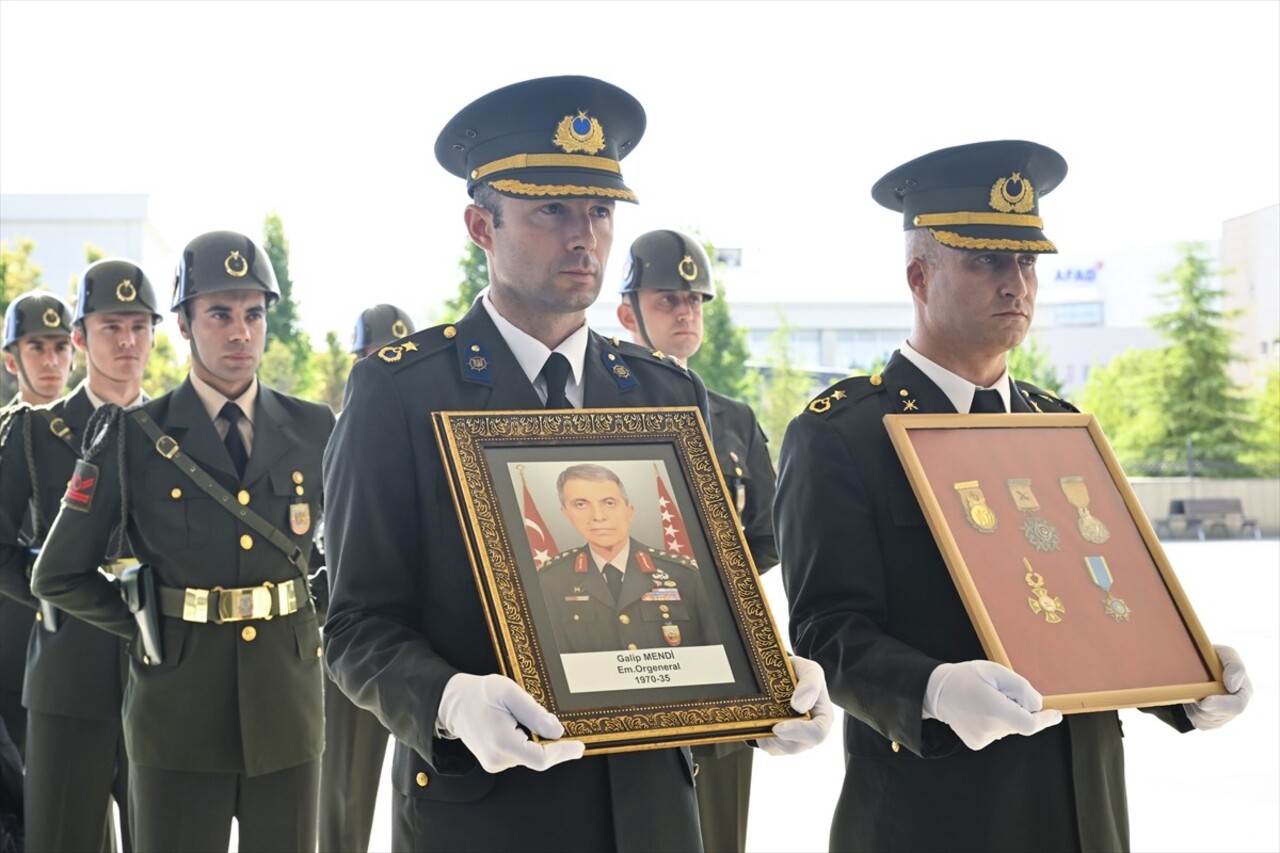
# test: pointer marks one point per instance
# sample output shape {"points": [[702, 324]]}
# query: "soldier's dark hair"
{"points": [[491, 200], [593, 473]]}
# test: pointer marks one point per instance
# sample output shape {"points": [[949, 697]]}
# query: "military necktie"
{"points": [[556, 373], [613, 577], [234, 441], [987, 401]]}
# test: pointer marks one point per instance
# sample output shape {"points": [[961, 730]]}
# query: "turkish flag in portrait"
{"points": [[541, 544]]}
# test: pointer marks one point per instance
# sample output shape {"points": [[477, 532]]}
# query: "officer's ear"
{"points": [[918, 278], [182, 323], [480, 226], [627, 317], [77, 337], [10, 363]]}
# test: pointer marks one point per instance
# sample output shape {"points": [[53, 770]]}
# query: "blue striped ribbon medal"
{"points": [[1101, 574]]}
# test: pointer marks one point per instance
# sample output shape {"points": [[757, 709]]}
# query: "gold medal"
{"points": [[1078, 494], [976, 511], [1042, 535], [1042, 601]]}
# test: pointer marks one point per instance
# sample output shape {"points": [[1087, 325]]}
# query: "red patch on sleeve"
{"points": [[81, 486]]}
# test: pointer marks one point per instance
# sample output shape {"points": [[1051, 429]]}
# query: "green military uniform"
{"points": [[229, 722], [659, 604]]}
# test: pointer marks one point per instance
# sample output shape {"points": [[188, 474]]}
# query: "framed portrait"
{"points": [[1058, 567], [611, 562]]}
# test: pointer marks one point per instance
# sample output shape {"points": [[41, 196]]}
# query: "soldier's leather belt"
{"points": [[237, 604]]}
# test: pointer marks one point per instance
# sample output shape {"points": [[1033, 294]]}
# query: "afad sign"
{"points": [[1079, 274]]}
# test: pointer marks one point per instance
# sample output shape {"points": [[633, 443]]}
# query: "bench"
{"points": [[1204, 517]]}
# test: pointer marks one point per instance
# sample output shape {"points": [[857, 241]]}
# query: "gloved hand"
{"points": [[793, 736], [983, 701], [1211, 712], [485, 713]]}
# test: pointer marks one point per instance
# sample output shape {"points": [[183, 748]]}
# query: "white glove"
{"points": [[983, 701], [1212, 712], [485, 713], [793, 736]]}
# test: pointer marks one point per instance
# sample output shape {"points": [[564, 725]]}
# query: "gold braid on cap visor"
{"points": [[991, 244], [521, 188], [546, 161], [926, 220]]}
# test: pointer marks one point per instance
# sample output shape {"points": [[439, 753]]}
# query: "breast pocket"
{"points": [[177, 516], [295, 492]]}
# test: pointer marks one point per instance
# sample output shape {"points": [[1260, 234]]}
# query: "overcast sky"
{"points": [[768, 122]]}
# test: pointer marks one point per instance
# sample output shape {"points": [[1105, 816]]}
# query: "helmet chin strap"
{"points": [[191, 339], [634, 298]]}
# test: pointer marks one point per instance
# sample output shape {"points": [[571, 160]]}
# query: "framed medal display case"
{"points": [[1059, 569], [617, 584]]}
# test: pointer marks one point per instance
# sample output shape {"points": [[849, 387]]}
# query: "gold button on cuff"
{"points": [[421, 779], [246, 542], [243, 497], [248, 633], [896, 746], [299, 490], [624, 619], [297, 476], [175, 494]]}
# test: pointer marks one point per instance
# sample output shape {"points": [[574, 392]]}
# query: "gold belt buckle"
{"points": [[195, 605], [249, 602]]}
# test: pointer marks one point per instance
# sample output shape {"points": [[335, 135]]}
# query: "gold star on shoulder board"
{"points": [[838, 395], [909, 406], [410, 346]]}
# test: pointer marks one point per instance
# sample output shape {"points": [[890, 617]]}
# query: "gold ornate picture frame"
{"points": [[1060, 570], [684, 650]]}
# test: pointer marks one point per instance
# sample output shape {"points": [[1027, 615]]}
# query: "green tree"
{"points": [[1264, 456], [1030, 363], [330, 367], [473, 267], [281, 369], [18, 274], [284, 324], [1120, 395], [166, 368], [782, 392], [721, 359]]}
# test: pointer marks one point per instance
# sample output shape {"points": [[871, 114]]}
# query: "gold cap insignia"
{"points": [[399, 329], [51, 318], [236, 266], [687, 269], [579, 133], [1013, 194], [126, 292]]}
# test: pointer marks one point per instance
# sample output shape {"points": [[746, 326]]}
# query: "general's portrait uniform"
{"points": [[872, 600], [228, 721], [658, 603]]}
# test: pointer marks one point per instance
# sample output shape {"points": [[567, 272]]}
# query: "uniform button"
{"points": [[576, 617], [298, 490], [243, 497], [896, 746], [39, 616], [624, 619], [146, 659], [175, 494], [664, 608], [297, 477], [631, 647], [248, 633], [246, 542], [696, 768], [319, 651], [421, 779]]}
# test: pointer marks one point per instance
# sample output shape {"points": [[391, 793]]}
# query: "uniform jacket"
{"points": [[660, 605], [220, 701], [872, 601], [405, 614], [743, 453], [77, 671], [17, 604]]}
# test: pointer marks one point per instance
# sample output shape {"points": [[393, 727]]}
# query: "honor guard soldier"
{"points": [[75, 671], [37, 350], [378, 326], [616, 593], [355, 741], [943, 749], [217, 484], [665, 282], [406, 635]]}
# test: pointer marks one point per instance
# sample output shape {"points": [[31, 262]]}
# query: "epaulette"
{"points": [[417, 346], [1037, 396], [673, 557], [844, 392], [636, 352]]}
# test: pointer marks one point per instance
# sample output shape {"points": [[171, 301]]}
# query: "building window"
{"points": [[1078, 314]]}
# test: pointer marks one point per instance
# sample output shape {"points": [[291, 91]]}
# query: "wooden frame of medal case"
{"points": [[1094, 618], [733, 684]]}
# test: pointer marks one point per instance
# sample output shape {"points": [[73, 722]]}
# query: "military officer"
{"points": [[75, 671], [944, 750], [615, 592], [218, 486], [355, 742], [38, 351], [406, 635], [665, 282]]}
